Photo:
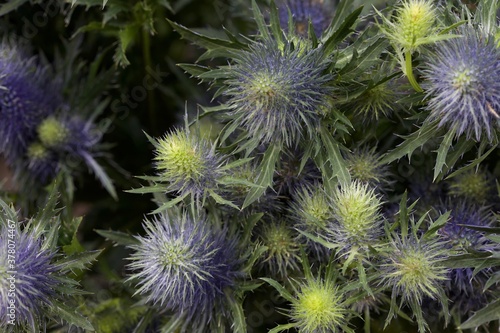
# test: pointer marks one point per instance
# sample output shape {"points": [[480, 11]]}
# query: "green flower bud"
{"points": [[52, 132], [472, 185]]}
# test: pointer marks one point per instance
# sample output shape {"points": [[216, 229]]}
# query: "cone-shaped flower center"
{"points": [[37, 151], [52, 132]]}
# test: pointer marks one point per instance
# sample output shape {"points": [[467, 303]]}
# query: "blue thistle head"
{"points": [[278, 94], [185, 266], [463, 84], [466, 289], [189, 163], [42, 163], [34, 280], [27, 95], [318, 12]]}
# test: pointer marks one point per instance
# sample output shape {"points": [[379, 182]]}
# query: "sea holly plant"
{"points": [[38, 290]]}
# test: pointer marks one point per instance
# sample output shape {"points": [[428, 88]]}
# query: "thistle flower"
{"points": [[375, 102], [43, 164], [357, 220], [26, 97], [282, 254], [413, 271], [463, 87], [472, 185], [317, 12], [311, 211], [188, 163], [278, 94], [34, 279], [364, 166], [289, 178], [464, 287], [414, 24], [185, 266]]}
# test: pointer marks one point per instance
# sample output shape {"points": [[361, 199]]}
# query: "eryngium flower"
{"points": [[356, 217], [26, 97], [185, 266], [188, 163], [364, 166], [318, 12], [32, 285], [473, 185], [319, 308], [42, 163], [463, 84], [278, 94]]}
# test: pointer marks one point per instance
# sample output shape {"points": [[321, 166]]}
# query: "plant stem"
{"points": [[409, 73]]}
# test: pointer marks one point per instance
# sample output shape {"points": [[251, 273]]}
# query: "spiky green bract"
{"points": [[278, 93], [311, 210], [282, 254], [364, 166], [186, 266], [413, 270], [188, 163], [415, 22], [463, 87], [356, 217]]}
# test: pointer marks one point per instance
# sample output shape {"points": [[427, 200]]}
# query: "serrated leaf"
{"points": [[472, 164], [284, 327], [78, 260], [265, 173], [442, 152], [69, 315], [259, 19], [334, 157], [488, 313], [412, 142], [342, 32], [118, 237], [238, 315]]}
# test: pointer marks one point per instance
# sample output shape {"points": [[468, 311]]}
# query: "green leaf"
{"points": [[275, 26], [10, 6], [284, 327], [473, 164], [68, 314], [334, 157], [259, 19], [338, 36], [221, 201], [118, 237], [101, 175], [265, 174], [412, 142], [239, 323], [488, 313], [78, 260], [442, 152], [283, 292]]}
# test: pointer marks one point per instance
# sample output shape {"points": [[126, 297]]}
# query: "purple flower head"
{"points": [[278, 94], [27, 95], [34, 278], [463, 84], [464, 287], [42, 163], [318, 12], [185, 266]]}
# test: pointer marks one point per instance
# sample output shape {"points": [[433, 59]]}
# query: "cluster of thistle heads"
{"points": [[352, 171]]}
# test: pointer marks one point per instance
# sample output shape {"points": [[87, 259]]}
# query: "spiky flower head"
{"points": [[289, 177], [27, 95], [28, 279], [319, 308], [472, 185], [278, 94], [312, 211], [357, 219], [43, 164], [413, 269], [466, 287], [317, 12], [364, 166], [185, 266], [415, 23], [282, 254], [189, 163], [462, 85]]}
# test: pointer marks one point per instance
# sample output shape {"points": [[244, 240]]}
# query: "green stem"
{"points": [[146, 53], [367, 320], [409, 73]]}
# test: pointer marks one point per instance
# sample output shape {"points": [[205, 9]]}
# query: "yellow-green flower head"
{"points": [[473, 185], [364, 165], [357, 218], [187, 162], [319, 308], [415, 22], [414, 271], [52, 132], [282, 255]]}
